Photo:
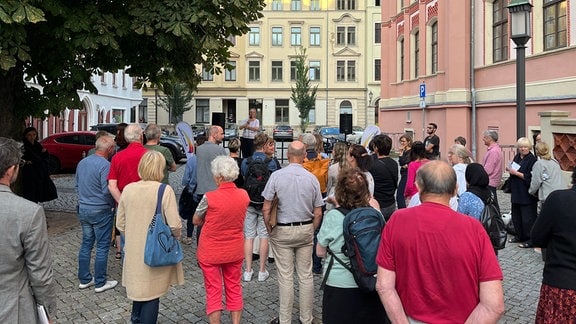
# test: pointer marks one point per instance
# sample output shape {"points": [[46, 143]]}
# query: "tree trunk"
{"points": [[11, 83]]}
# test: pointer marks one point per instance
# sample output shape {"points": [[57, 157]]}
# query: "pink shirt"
{"points": [[493, 164], [413, 166]]}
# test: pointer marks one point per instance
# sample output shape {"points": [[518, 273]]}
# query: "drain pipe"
{"points": [[473, 76]]}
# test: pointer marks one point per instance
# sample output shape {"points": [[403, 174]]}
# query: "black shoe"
{"points": [[275, 321], [270, 260], [514, 240], [255, 257]]}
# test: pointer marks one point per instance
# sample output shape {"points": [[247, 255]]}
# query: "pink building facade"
{"points": [[462, 52]]}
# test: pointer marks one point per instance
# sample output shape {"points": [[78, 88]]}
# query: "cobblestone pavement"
{"points": [[185, 304]]}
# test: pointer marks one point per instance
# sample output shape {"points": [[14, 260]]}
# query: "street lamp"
{"points": [[370, 97], [520, 34]]}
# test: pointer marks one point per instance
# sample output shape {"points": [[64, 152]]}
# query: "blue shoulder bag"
{"points": [[162, 248]]}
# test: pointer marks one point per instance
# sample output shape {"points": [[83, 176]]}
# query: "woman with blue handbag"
{"points": [[136, 210]]}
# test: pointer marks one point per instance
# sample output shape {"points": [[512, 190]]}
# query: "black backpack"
{"points": [[257, 174], [494, 224], [362, 229]]}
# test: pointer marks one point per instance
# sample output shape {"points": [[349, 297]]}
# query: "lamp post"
{"points": [[370, 97], [520, 34]]}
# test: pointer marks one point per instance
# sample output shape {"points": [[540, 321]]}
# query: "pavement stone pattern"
{"points": [[186, 304]]}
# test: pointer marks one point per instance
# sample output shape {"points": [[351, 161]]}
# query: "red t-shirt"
{"points": [[222, 237], [439, 257], [124, 166]]}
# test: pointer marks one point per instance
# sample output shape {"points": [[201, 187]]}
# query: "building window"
{"points": [[341, 35], [296, 5], [314, 67], [102, 78], [377, 3], [377, 67], [314, 36], [202, 111], [351, 35], [276, 36], [351, 71], [500, 31], [207, 75], [124, 79], [401, 58], [282, 116], [346, 4], [377, 33], [230, 75], [345, 70], [295, 36], [314, 5], [254, 36], [254, 71], [340, 70], [276, 70], [416, 53], [293, 70], [114, 79], [276, 5], [554, 24], [434, 47]]}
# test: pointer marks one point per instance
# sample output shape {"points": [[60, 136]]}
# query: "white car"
{"points": [[356, 135]]}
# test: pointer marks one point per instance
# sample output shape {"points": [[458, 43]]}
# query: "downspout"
{"points": [[473, 76]]}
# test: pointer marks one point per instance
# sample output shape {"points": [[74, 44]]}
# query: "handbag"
{"points": [[506, 186], [162, 248], [273, 212]]}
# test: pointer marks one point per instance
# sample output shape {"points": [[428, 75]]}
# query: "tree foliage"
{"points": [[59, 44], [177, 101], [303, 94]]}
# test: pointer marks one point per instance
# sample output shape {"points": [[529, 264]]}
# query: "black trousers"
{"points": [[350, 305], [246, 147], [523, 218]]}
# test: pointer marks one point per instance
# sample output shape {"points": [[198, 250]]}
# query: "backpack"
{"points": [[494, 224], [319, 168], [362, 229], [257, 175]]}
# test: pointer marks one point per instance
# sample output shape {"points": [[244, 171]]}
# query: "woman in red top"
{"points": [[417, 159], [221, 245]]}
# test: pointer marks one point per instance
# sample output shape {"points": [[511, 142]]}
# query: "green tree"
{"points": [[60, 44], [303, 94], [177, 101]]}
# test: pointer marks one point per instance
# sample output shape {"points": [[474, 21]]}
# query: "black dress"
{"points": [[36, 183]]}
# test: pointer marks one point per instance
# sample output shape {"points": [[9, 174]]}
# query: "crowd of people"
{"points": [[241, 200]]}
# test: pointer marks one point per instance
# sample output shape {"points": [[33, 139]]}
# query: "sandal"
{"points": [[525, 245], [118, 256]]}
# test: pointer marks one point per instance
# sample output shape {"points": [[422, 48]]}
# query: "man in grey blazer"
{"points": [[26, 265]]}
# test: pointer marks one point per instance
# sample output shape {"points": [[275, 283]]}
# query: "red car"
{"points": [[67, 149]]}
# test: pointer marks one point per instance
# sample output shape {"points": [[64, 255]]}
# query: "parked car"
{"points": [[330, 135], [170, 141], [356, 135], [198, 130], [231, 131], [67, 149], [283, 133]]}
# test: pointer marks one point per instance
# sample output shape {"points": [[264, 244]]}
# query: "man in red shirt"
{"points": [[124, 167], [437, 265]]}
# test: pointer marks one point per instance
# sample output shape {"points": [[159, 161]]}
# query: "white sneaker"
{"points": [[263, 275], [248, 275], [86, 285], [108, 285]]}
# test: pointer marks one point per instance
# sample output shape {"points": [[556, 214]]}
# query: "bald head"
{"points": [[215, 134], [296, 152], [436, 178]]}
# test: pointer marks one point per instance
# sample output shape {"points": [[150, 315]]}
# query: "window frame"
{"points": [[295, 36], [254, 36], [254, 68], [315, 37], [314, 70], [276, 71], [559, 40], [500, 39], [378, 33], [296, 5], [230, 75], [277, 37]]}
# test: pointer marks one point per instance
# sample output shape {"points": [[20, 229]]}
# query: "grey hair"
{"points": [[225, 167], [152, 132], [436, 177], [461, 152], [104, 142], [309, 140], [492, 134], [10, 154], [132, 133]]}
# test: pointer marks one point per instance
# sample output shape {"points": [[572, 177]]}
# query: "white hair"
{"points": [[225, 167]]}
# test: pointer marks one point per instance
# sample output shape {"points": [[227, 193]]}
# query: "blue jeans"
{"points": [[96, 227], [145, 312]]}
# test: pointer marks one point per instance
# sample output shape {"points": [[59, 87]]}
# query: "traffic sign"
{"points": [[423, 90]]}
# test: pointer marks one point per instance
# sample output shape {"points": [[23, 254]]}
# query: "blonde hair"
{"points": [[234, 145], [151, 166], [542, 150], [225, 167], [461, 152], [523, 141]]}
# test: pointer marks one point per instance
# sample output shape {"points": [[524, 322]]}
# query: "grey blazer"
{"points": [[25, 262]]}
